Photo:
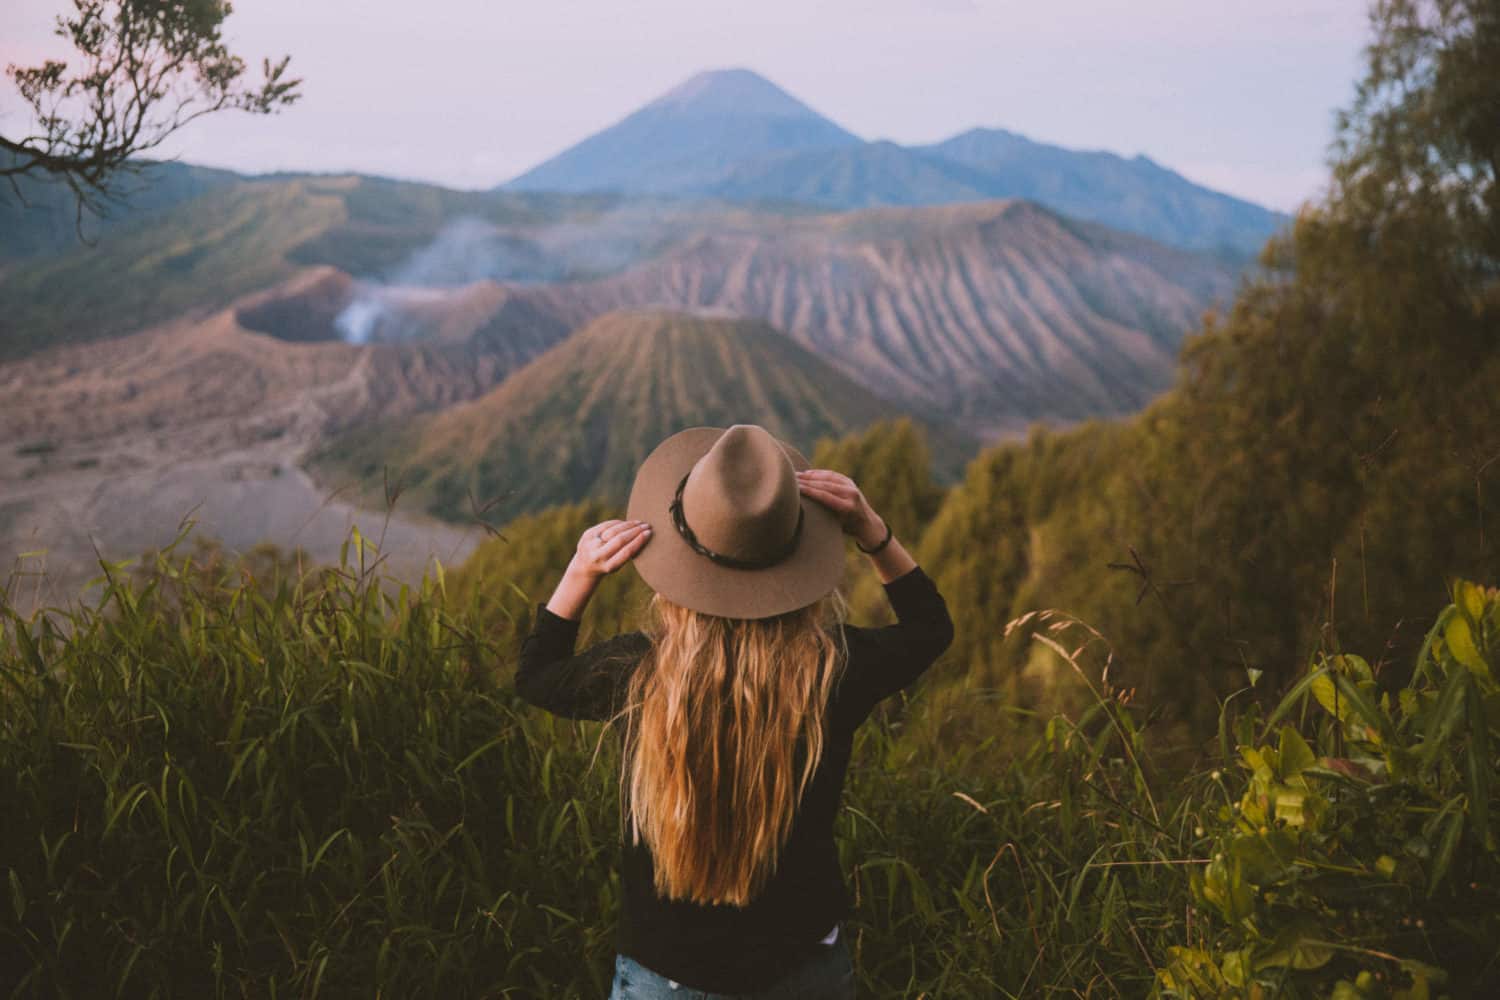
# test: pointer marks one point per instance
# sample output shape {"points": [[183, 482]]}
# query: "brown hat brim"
{"points": [[671, 567]]}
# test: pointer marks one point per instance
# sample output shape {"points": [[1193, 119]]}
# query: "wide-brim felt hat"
{"points": [[731, 533]]}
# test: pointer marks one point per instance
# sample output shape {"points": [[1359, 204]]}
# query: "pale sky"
{"points": [[469, 93]]}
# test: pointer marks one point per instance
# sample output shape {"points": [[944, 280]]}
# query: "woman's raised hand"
{"points": [[839, 494], [608, 545]]}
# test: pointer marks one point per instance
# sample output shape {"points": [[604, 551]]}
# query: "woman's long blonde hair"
{"points": [[724, 730]]}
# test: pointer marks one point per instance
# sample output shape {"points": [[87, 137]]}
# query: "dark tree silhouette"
{"points": [[145, 68]]}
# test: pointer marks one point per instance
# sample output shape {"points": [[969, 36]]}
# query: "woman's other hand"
{"points": [[839, 494], [608, 545]]}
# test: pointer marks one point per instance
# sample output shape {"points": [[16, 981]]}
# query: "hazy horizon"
{"points": [[1241, 101]]}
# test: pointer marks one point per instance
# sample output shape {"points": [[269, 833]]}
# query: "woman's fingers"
{"points": [[833, 482], [628, 551], [828, 498], [614, 539], [611, 529], [622, 539], [819, 492], [594, 533], [825, 476]]}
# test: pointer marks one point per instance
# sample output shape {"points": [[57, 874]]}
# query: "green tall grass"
{"points": [[219, 784]]}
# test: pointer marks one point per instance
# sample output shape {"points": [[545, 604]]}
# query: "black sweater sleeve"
{"points": [[588, 685], [884, 660]]}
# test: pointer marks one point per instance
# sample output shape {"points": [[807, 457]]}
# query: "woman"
{"points": [[737, 705]]}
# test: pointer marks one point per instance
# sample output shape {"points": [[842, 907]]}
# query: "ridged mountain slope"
{"points": [[993, 314], [688, 138], [578, 420]]}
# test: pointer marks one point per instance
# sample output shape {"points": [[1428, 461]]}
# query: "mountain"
{"points": [[734, 135], [993, 314], [688, 138], [578, 420], [1136, 195]]}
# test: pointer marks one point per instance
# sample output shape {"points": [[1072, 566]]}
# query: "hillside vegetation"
{"points": [[250, 780]]}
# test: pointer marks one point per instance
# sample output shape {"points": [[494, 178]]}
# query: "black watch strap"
{"points": [[883, 542]]}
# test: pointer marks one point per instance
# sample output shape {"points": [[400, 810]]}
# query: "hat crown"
{"points": [[741, 498]]}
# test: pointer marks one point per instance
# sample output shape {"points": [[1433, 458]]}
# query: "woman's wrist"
{"points": [[871, 534], [573, 592], [579, 570]]}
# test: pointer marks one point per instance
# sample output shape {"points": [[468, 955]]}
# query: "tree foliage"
{"points": [[1421, 141], [145, 68], [1331, 452]]}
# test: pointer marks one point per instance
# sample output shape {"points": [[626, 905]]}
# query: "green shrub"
{"points": [[1364, 863]]}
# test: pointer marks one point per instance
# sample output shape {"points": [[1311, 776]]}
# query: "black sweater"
{"points": [[728, 949]]}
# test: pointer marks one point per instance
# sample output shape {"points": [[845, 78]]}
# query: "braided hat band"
{"points": [[679, 520]]}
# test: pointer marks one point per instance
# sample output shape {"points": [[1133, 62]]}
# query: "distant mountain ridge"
{"points": [[734, 135]]}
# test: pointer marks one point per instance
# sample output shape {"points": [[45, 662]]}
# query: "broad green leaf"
{"points": [[1353, 666], [1296, 948], [1327, 694], [1296, 755], [1289, 803], [1469, 597], [1459, 639], [1236, 967]]}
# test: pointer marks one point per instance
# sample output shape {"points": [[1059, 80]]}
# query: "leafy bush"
{"points": [[1367, 867]]}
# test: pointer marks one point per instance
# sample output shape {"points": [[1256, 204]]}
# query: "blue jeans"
{"points": [[829, 976]]}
